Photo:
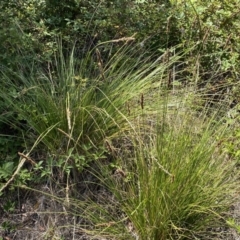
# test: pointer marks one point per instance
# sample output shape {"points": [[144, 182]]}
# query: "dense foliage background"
{"points": [[30, 30]]}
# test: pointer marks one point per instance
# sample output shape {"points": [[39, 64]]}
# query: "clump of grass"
{"points": [[79, 105], [178, 183]]}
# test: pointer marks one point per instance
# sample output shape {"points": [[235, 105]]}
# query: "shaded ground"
{"points": [[27, 214]]}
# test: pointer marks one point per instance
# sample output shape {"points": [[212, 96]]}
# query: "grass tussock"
{"points": [[178, 183]]}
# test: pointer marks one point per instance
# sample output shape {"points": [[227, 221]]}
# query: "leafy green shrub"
{"points": [[30, 30], [214, 64]]}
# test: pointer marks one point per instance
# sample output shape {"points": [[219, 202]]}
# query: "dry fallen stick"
{"points": [[23, 160]]}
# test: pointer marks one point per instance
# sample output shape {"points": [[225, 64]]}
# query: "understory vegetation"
{"points": [[119, 120]]}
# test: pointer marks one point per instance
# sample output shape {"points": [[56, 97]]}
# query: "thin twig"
{"points": [[123, 39]]}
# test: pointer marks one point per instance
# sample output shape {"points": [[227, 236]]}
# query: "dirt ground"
{"points": [[29, 215]]}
